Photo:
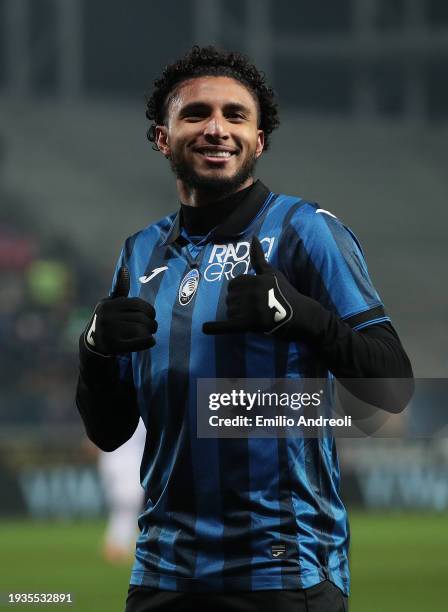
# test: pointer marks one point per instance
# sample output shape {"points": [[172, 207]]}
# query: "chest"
{"points": [[191, 280]]}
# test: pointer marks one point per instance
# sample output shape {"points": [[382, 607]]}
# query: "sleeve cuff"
{"points": [[367, 317]]}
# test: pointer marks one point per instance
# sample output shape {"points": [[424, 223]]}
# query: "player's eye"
{"points": [[195, 117], [235, 116]]}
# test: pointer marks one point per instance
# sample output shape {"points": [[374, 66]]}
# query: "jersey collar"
{"points": [[235, 223]]}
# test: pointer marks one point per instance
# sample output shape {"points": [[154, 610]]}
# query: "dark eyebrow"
{"points": [[236, 106], [193, 107]]}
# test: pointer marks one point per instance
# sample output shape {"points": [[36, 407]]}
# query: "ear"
{"points": [[260, 143], [162, 140]]}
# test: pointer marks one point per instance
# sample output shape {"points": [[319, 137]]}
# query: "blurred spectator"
{"points": [[46, 293], [120, 471]]}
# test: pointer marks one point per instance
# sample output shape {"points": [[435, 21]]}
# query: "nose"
{"points": [[216, 127]]}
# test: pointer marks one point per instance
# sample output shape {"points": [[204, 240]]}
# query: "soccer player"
{"points": [[243, 282]]}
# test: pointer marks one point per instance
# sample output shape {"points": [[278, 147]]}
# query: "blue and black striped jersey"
{"points": [[218, 511]]}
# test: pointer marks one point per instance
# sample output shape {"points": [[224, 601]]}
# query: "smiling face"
{"points": [[211, 135]]}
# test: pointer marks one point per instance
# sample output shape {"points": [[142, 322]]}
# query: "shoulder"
{"points": [[314, 224], [310, 215], [149, 235], [299, 211]]}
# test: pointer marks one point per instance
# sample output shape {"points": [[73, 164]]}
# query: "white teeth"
{"points": [[216, 153]]}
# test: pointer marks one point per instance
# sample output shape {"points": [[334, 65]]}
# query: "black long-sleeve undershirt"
{"points": [[107, 405], [109, 408], [372, 364]]}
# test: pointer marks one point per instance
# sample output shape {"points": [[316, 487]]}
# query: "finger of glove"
{"points": [[133, 317], [257, 258], [224, 327], [246, 300], [236, 297], [132, 345], [123, 330], [240, 309], [124, 304], [240, 283], [122, 284]]}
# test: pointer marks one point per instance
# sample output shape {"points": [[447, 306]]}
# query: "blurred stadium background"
{"points": [[363, 92]]}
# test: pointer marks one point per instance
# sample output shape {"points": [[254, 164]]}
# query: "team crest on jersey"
{"points": [[188, 287]]}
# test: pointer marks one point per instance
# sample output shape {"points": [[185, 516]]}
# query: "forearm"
{"points": [[107, 405], [373, 352], [371, 363]]}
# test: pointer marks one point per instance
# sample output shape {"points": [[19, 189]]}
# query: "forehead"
{"points": [[215, 91]]}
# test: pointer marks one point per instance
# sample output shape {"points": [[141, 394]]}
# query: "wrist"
{"points": [[310, 321], [95, 368]]}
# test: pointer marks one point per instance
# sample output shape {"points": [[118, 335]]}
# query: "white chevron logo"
{"points": [[146, 279], [280, 312]]}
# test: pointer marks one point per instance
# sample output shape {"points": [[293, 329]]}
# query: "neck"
{"points": [[197, 197]]}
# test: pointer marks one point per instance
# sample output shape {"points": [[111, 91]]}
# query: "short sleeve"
{"points": [[329, 266]]}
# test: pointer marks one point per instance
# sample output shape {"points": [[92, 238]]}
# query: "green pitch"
{"points": [[399, 563]]}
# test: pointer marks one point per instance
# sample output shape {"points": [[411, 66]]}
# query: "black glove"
{"points": [[267, 302], [121, 324]]}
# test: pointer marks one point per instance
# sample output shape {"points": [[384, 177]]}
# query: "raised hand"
{"points": [[256, 303], [121, 324]]}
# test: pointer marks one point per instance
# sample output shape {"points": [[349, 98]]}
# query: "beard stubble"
{"points": [[212, 184]]}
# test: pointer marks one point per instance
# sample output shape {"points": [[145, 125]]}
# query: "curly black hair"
{"points": [[210, 61]]}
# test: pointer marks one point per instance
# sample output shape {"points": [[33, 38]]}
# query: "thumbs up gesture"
{"points": [[260, 303], [121, 324]]}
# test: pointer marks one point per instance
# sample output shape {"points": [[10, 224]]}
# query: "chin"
{"points": [[217, 182], [217, 175]]}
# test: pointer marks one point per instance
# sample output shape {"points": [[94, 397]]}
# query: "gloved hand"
{"points": [[267, 302], [121, 324]]}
